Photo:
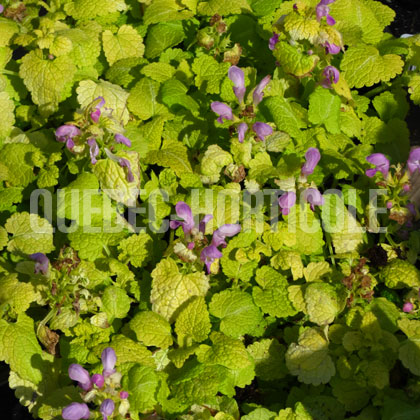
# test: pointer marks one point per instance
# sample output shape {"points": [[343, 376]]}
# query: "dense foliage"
{"points": [[208, 210]]}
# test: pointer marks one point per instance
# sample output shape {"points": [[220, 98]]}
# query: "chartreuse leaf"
{"points": [[309, 359], [209, 73], [17, 294], [7, 29], [126, 43], [30, 233], [160, 72], [301, 26], [47, 80], [128, 350], [223, 7], [213, 161], [173, 154], [324, 302], [324, 108], [152, 329], [89, 9], [399, 274], [193, 322], [237, 312], [114, 95], [135, 249], [115, 303], [268, 355], [52, 405], [170, 288], [414, 88], [141, 382], [3, 238], [409, 354], [174, 93], [162, 36], [8, 117], [365, 66], [272, 296], [164, 11]]}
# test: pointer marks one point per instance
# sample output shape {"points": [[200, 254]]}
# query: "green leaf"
{"points": [[7, 29], [30, 233], [391, 105], [400, 274], [135, 249], [125, 43], [8, 117], [164, 11], [173, 154], [364, 66], [17, 294], [237, 312], [163, 36], [115, 303], [89, 9], [223, 7], [324, 108], [160, 72], [3, 238], [174, 92], [115, 97], [152, 329], [128, 350], [49, 81], [170, 288], [209, 73], [193, 322], [272, 295], [309, 359], [141, 382], [414, 88]]}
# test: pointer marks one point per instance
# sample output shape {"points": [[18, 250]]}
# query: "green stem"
{"points": [[9, 72], [375, 91]]}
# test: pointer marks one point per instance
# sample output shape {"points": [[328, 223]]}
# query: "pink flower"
{"points": [[236, 75], [184, 212], [258, 94], [413, 162], [262, 130], [109, 359], [331, 75], [242, 129], [312, 157], [41, 263], [75, 411], [408, 307], [381, 163], [273, 41], [119, 138], [66, 133], [224, 231], [208, 255], [81, 375], [332, 48], [224, 111], [94, 150], [286, 202], [323, 10], [313, 197], [107, 408]]}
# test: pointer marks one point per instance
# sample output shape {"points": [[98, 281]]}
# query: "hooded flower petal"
{"points": [[413, 162], [94, 150], [107, 408], [242, 129], [332, 48], [183, 211], [208, 255], [81, 375], [203, 223], [109, 358], [75, 411], [313, 197], [224, 231], [312, 157], [95, 115], [66, 133], [381, 163], [322, 10], [287, 201], [236, 75], [119, 138], [262, 130], [258, 94], [331, 75], [41, 263], [273, 41], [98, 380], [125, 163], [223, 110]]}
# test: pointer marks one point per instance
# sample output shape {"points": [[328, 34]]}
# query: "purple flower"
{"points": [[323, 10], [94, 150], [242, 129], [1, 8], [41, 263], [273, 41], [75, 411], [411, 208], [66, 133], [313, 197], [262, 130], [208, 255], [107, 408], [331, 75], [109, 358], [413, 162], [98, 380], [125, 163], [224, 231], [183, 211], [119, 138], [258, 94], [389, 205], [312, 157], [81, 375], [286, 202], [95, 115], [381, 163], [408, 307], [236, 75], [332, 48], [124, 395], [223, 110]]}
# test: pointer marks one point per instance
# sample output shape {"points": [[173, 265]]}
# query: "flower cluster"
{"points": [[194, 234], [100, 388], [236, 75]]}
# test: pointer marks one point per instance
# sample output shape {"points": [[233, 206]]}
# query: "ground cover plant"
{"points": [[209, 209]]}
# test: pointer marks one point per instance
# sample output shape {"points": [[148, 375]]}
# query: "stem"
{"points": [[375, 91], [9, 72]]}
